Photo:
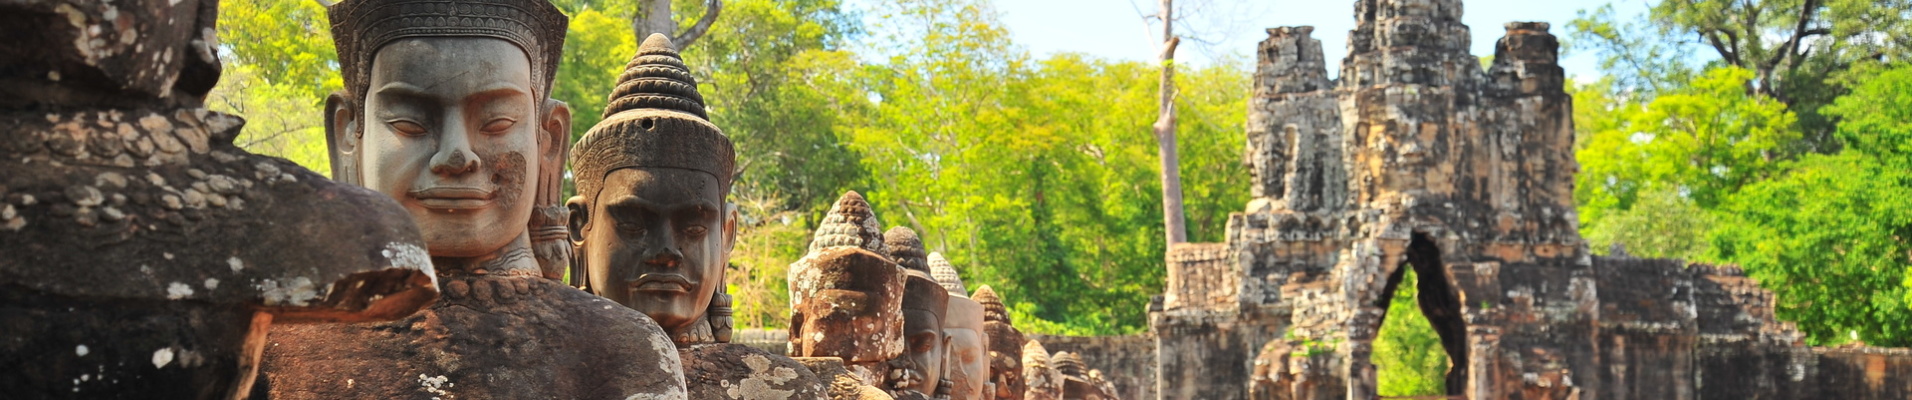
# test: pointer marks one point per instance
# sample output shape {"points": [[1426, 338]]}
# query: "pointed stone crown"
{"points": [[850, 223], [1034, 355], [361, 27], [655, 120], [993, 309], [1068, 363], [906, 248], [945, 274]]}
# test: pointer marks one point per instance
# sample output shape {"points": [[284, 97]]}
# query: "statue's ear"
{"points": [[342, 135], [730, 227], [580, 218], [555, 130]]}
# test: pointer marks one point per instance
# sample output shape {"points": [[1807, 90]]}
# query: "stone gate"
{"points": [[1419, 157]]}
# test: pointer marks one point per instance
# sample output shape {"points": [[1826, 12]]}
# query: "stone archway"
{"points": [[1439, 303]]}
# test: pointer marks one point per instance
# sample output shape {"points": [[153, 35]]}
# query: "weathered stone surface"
{"points": [[1043, 381], [1005, 347], [843, 384], [738, 372], [491, 337], [146, 254]]}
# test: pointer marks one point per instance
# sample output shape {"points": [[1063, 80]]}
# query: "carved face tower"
{"points": [[968, 353], [652, 177], [847, 299], [447, 110]]}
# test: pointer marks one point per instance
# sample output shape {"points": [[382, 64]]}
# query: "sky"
{"points": [[1112, 29]]}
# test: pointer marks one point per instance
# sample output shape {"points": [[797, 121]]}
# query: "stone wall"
{"points": [[1126, 361]]}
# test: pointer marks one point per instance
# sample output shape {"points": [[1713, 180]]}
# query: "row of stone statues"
{"points": [[233, 275], [878, 313]]}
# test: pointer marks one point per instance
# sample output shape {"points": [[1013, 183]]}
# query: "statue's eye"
{"points": [[695, 230], [407, 128], [630, 228], [499, 125]]}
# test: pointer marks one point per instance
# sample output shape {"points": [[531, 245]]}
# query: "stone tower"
{"points": [[1420, 157]]}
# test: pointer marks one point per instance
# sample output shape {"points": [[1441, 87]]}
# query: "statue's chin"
{"points": [[672, 311], [466, 233]]}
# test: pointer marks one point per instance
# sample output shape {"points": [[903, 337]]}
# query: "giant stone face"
{"points": [[450, 128]]}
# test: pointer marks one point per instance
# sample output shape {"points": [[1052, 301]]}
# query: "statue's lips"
{"points": [[671, 283], [454, 198]]}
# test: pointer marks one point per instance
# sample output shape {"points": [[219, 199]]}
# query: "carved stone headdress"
{"points": [[655, 120], [361, 27], [993, 309], [906, 248], [946, 275], [850, 223]]}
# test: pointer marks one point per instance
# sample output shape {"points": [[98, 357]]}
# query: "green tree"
{"points": [[1701, 142], [1829, 239], [1799, 51], [280, 66], [1028, 173]]}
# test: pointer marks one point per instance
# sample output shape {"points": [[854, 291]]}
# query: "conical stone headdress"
{"points": [[850, 223], [993, 309], [361, 27], [902, 244], [655, 120], [946, 275]]}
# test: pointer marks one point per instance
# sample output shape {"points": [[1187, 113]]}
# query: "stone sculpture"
{"points": [[145, 254], [846, 302], [925, 303], [968, 352], [447, 110], [1043, 381], [1080, 382], [653, 234], [1005, 347]]}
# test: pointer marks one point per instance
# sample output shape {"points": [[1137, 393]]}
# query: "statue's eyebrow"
{"points": [[633, 204], [402, 89], [497, 92]]}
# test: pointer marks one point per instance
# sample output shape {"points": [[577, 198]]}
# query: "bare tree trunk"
{"points": [[1173, 219], [654, 16]]}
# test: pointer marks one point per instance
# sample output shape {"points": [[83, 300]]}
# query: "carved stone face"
{"points": [[926, 347], [847, 304], [451, 130], [968, 366], [655, 241]]}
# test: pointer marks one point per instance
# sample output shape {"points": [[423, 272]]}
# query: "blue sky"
{"points": [[1111, 28]]}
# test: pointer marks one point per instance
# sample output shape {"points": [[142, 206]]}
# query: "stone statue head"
{"points": [[1005, 346], [968, 366], [447, 109], [925, 303], [846, 298], [847, 304], [652, 229], [1043, 380]]}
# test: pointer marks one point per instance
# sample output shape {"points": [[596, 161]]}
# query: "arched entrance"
{"points": [[1438, 302]]}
